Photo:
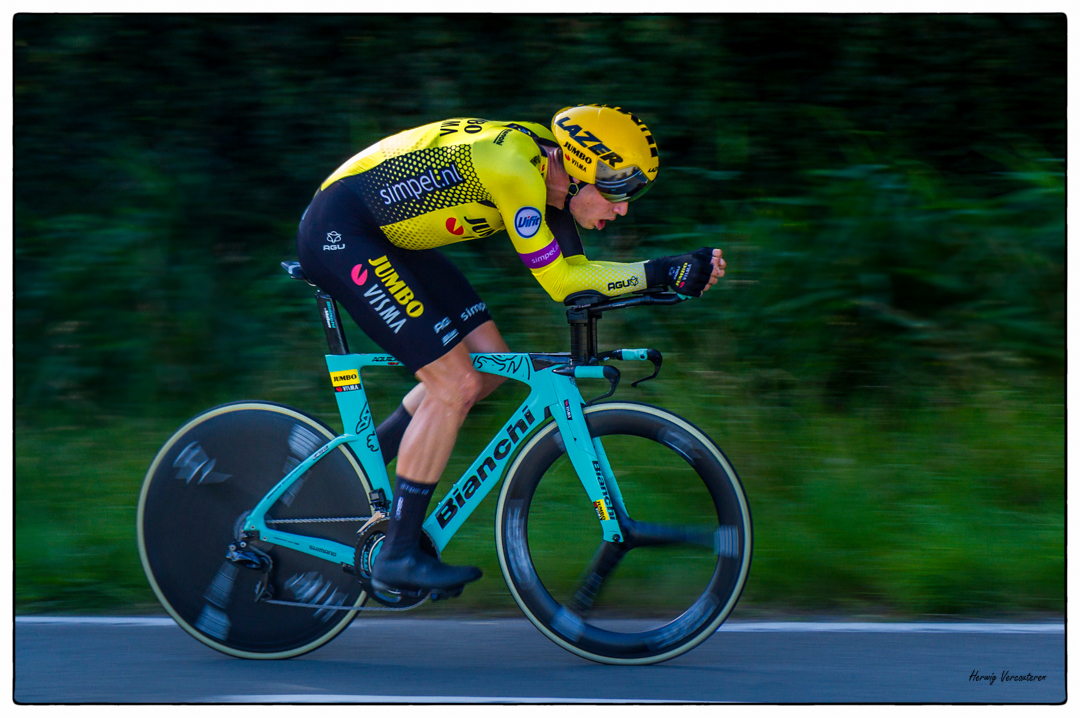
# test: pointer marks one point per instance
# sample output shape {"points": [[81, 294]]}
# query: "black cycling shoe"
{"points": [[417, 570]]}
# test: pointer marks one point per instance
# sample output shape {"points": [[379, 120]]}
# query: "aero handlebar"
{"points": [[594, 305], [583, 311]]}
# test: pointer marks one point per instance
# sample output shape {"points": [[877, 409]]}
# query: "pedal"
{"points": [[437, 594], [404, 592], [444, 593]]}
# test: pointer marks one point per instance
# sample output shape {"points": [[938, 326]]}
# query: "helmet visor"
{"points": [[622, 185]]}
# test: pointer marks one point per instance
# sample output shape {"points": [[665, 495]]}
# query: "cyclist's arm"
{"points": [[561, 275], [521, 198]]}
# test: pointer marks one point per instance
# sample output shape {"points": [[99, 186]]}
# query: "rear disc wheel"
{"points": [[196, 494]]}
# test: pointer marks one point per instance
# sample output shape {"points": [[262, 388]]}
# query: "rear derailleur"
{"points": [[244, 554]]}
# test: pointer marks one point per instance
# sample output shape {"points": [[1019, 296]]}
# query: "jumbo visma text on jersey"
{"points": [[388, 295]]}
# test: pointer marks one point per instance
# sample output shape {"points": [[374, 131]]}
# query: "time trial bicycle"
{"points": [[622, 530]]}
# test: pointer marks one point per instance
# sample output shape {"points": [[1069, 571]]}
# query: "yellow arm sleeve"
{"points": [[576, 274]]}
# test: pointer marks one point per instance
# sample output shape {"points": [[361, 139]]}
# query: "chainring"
{"points": [[368, 544]]}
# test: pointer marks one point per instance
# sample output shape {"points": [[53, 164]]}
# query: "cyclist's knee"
{"points": [[458, 393], [470, 388], [452, 381], [456, 385]]}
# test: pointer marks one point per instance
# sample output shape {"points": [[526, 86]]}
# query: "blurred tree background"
{"points": [[884, 361]]}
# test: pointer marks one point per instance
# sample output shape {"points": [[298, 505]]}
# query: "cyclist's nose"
{"points": [[621, 207]]}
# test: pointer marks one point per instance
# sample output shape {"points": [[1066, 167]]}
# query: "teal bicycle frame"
{"points": [[553, 389]]}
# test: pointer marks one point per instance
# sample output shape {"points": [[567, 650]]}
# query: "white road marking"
{"points": [[919, 627], [313, 698], [95, 620], [730, 627]]}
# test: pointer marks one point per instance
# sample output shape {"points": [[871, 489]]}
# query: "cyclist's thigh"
{"points": [[486, 338], [402, 299], [461, 310]]}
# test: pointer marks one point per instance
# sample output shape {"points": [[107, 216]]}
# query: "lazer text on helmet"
{"points": [[590, 142]]}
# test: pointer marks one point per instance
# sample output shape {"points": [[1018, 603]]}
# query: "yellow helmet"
{"points": [[607, 147]]}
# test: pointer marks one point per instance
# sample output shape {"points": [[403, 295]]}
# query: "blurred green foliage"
{"points": [[888, 191]]}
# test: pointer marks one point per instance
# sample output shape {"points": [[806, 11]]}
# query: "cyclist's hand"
{"points": [[690, 274]]}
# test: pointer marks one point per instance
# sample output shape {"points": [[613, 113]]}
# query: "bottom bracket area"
{"points": [[370, 542]]}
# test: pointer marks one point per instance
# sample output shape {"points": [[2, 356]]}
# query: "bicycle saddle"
{"points": [[295, 270]]}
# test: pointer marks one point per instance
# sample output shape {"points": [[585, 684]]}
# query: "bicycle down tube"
{"points": [[555, 392]]}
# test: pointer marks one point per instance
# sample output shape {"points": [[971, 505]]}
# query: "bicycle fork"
{"points": [[621, 532], [587, 453]]}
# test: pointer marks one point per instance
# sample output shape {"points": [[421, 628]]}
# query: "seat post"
{"points": [[331, 319]]}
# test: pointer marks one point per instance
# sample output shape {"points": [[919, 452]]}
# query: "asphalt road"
{"points": [[476, 660]]}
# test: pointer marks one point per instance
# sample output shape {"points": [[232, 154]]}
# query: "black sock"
{"points": [[407, 516], [390, 432]]}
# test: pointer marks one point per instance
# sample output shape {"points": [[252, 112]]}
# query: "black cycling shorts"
{"points": [[415, 304]]}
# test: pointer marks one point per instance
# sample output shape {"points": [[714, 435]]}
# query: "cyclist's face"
{"points": [[592, 211]]}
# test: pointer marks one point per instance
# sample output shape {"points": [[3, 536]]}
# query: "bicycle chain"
{"points": [[329, 606], [344, 519]]}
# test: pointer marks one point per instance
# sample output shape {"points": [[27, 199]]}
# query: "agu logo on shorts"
{"points": [[527, 221], [359, 275], [333, 238]]}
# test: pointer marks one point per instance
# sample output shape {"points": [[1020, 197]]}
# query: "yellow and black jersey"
{"points": [[463, 179]]}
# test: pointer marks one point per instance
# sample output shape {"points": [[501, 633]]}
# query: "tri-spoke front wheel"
{"points": [[683, 560]]}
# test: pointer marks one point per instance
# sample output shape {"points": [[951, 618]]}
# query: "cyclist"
{"points": [[369, 239]]}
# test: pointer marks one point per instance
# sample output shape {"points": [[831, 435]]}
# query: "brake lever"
{"points": [[657, 359], [637, 355], [613, 378]]}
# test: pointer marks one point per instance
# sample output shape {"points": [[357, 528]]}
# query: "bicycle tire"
{"points": [[197, 490], [669, 474]]}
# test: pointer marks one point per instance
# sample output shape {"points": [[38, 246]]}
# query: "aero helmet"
{"points": [[607, 147]]}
